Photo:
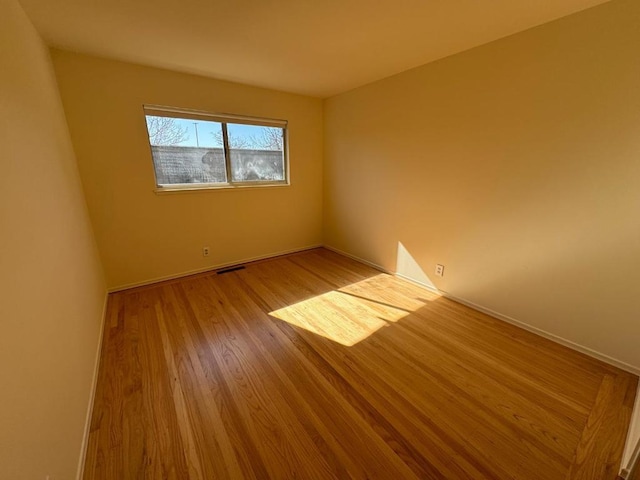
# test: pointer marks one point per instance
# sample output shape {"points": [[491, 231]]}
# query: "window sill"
{"points": [[207, 188]]}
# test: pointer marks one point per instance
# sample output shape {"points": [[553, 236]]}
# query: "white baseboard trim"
{"points": [[92, 394], [210, 268], [538, 331], [358, 259], [419, 283], [631, 453], [634, 463], [550, 336]]}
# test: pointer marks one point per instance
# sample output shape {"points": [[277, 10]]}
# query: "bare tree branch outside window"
{"points": [[234, 141], [165, 131], [267, 139]]}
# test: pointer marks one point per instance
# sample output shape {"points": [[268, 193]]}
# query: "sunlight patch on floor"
{"points": [[346, 316]]}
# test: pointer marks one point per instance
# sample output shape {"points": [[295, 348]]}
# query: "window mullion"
{"points": [[227, 153]]}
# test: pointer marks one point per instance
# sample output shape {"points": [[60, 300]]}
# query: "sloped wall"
{"points": [[52, 290]]}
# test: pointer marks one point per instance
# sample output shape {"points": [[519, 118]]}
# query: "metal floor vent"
{"points": [[232, 269]]}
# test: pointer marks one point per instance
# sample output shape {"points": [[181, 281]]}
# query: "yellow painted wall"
{"points": [[144, 236], [516, 165], [52, 289]]}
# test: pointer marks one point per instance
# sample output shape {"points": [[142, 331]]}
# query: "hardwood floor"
{"points": [[314, 366]]}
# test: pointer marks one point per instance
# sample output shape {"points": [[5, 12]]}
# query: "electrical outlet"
{"points": [[205, 251], [440, 270]]}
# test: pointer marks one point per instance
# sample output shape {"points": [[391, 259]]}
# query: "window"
{"points": [[200, 150]]}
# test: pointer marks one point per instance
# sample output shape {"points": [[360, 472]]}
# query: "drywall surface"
{"points": [[516, 165], [52, 289], [143, 235]]}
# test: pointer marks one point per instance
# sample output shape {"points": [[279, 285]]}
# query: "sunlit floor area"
{"points": [[314, 366]]}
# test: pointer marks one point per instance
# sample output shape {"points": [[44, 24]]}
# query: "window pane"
{"points": [[257, 153], [186, 151]]}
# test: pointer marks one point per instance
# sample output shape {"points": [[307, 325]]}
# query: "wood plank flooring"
{"points": [[314, 366]]}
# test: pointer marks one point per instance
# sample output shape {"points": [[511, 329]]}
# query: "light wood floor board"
{"points": [[314, 366]]}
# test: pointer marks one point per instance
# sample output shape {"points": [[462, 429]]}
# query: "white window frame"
{"points": [[223, 119]]}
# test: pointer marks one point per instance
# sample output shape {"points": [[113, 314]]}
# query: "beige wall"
{"points": [[52, 290], [516, 165], [144, 236]]}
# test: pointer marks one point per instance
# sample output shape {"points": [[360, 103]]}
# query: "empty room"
{"points": [[320, 240]]}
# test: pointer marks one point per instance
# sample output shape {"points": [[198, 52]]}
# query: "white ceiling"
{"points": [[314, 47]]}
